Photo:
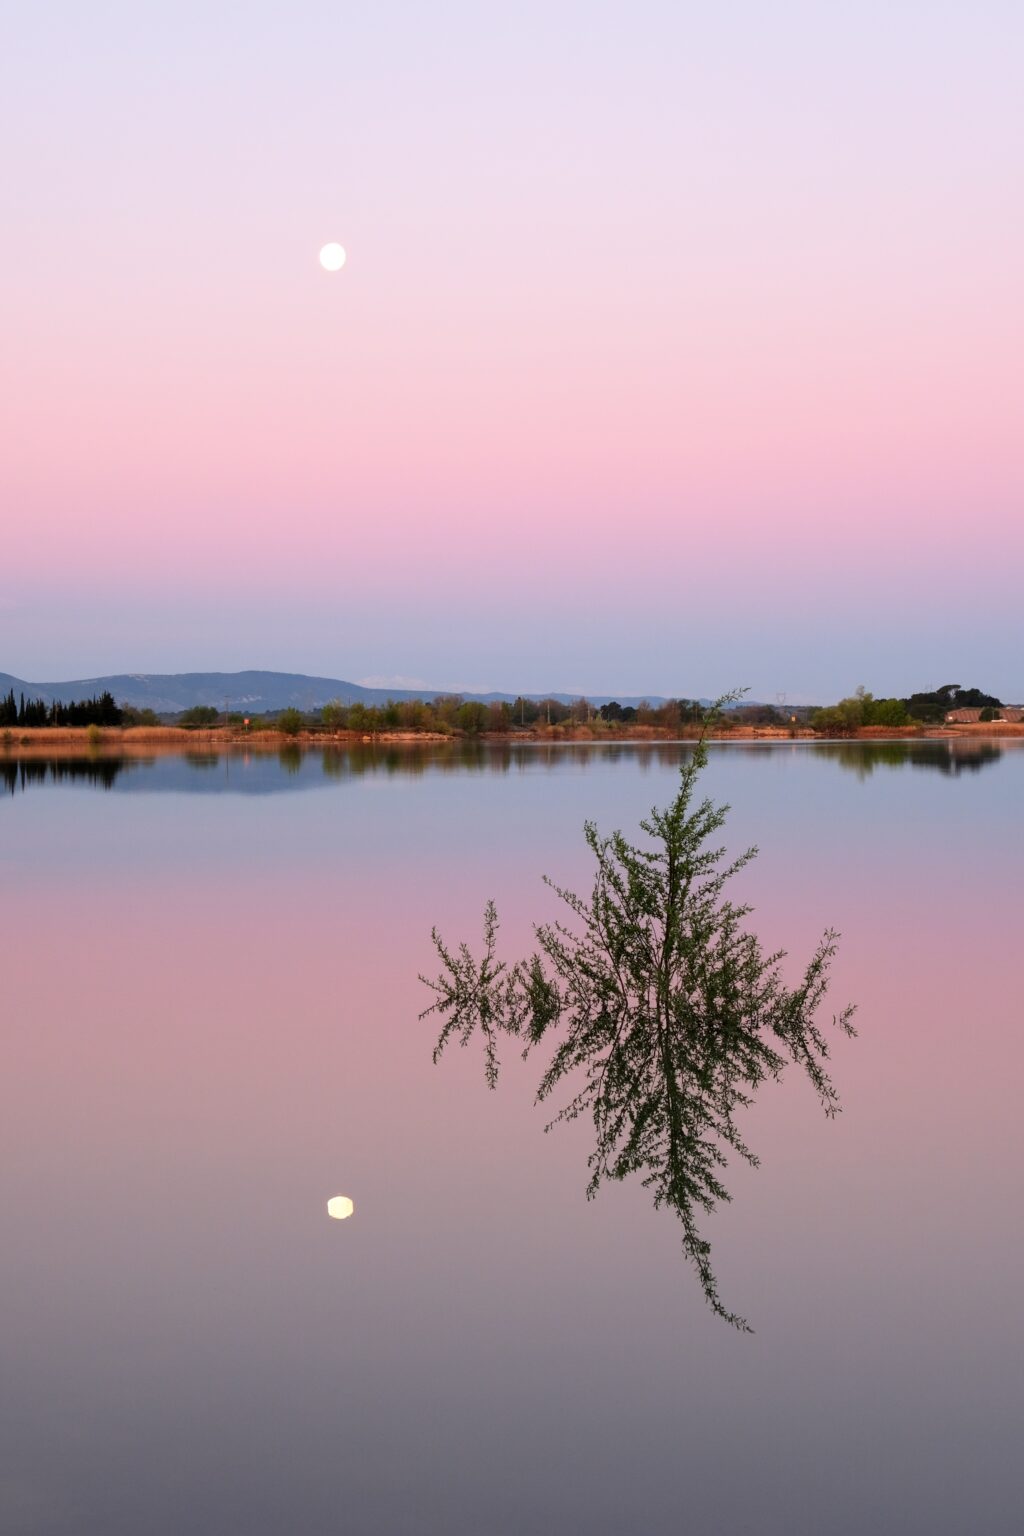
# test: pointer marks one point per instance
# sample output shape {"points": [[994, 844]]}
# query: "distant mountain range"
{"points": [[168, 693]]}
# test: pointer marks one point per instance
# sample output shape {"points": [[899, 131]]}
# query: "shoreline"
{"points": [[63, 740]]}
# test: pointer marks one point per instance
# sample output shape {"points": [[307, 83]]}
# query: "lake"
{"points": [[210, 1004]]}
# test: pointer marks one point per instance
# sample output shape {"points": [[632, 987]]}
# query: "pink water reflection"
{"points": [[210, 1026]]}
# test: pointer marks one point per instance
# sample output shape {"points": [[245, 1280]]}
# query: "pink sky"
{"points": [[674, 350]]}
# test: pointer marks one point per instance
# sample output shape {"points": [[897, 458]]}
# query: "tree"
{"points": [[415, 715], [931, 708], [472, 717], [663, 1015], [844, 718], [333, 714], [888, 712], [289, 721], [198, 716]]}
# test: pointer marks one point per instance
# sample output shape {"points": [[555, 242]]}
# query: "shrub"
{"points": [[662, 1013], [198, 716], [290, 722]]}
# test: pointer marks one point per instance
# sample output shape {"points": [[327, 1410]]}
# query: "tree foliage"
{"points": [[932, 708], [861, 709], [661, 1013], [199, 717], [99, 710], [289, 721]]}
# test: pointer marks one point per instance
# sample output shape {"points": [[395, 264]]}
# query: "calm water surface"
{"points": [[210, 1025]]}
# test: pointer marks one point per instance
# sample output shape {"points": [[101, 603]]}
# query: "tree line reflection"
{"points": [[949, 757], [97, 773], [295, 767]]}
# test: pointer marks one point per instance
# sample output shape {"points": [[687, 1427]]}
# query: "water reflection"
{"points": [[213, 999], [948, 757], [296, 767], [97, 772]]}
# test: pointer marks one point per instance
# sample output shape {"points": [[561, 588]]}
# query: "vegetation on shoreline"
{"points": [[862, 711], [452, 715], [29, 713], [859, 712]]}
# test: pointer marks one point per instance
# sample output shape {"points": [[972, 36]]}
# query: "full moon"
{"points": [[332, 257], [340, 1206]]}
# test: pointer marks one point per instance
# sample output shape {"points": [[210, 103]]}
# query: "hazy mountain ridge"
{"points": [[257, 692]]}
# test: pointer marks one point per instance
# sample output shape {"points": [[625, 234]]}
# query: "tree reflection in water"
{"points": [[661, 1013], [297, 764], [98, 772], [949, 757]]}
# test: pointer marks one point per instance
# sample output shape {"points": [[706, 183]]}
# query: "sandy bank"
{"points": [[142, 740]]}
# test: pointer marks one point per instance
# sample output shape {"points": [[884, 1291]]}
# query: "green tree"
{"points": [[931, 708], [472, 717], [290, 722], [415, 715], [662, 1013], [145, 716], [845, 717], [888, 712], [199, 715], [333, 715]]}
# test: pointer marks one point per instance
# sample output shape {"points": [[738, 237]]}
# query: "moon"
{"points": [[340, 1206], [332, 256]]}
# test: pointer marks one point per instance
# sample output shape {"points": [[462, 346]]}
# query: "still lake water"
{"points": [[209, 1007]]}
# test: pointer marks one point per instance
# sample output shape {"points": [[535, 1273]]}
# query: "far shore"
{"points": [[63, 740]]}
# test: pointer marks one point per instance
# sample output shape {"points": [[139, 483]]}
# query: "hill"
{"points": [[254, 692]]}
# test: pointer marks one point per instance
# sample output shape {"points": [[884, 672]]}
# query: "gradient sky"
{"points": [[679, 345]]}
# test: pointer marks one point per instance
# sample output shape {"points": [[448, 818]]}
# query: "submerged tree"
{"points": [[662, 1012]]}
